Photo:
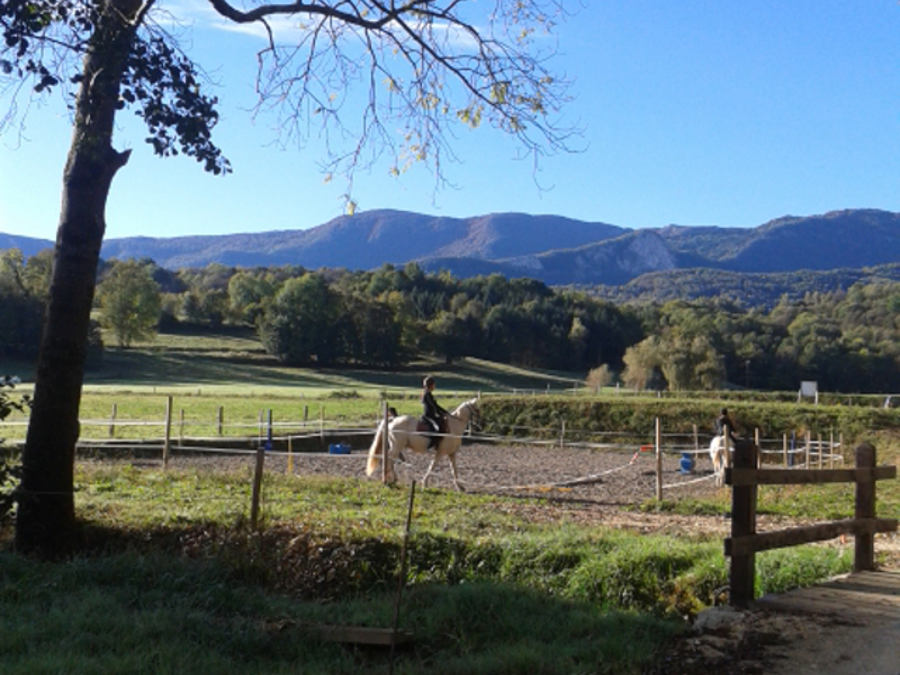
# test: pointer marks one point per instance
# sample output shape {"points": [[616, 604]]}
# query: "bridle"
{"points": [[475, 419]]}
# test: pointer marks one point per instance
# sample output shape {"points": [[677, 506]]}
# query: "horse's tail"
{"points": [[375, 450]]}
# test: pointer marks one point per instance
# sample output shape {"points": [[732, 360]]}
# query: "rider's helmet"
{"points": [[428, 381]]}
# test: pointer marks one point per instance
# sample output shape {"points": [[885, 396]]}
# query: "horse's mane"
{"points": [[470, 403]]}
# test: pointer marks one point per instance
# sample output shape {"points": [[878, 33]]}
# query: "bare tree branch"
{"points": [[426, 66]]}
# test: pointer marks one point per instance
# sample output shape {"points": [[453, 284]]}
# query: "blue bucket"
{"points": [[339, 449]]}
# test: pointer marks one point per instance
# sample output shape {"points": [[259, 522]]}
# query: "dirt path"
{"points": [[849, 626]]}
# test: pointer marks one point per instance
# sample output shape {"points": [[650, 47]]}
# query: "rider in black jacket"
{"points": [[723, 421], [431, 411]]}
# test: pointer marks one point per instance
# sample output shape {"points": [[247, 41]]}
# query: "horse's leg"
{"points": [[715, 455], [428, 473], [391, 453], [452, 459]]}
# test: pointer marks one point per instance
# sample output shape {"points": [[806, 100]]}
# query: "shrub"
{"points": [[10, 471]]}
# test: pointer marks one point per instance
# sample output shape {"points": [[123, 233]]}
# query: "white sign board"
{"points": [[809, 388]]}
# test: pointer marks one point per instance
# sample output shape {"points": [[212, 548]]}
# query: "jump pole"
{"points": [[384, 445], [112, 420]]}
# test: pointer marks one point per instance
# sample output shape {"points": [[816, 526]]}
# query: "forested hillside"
{"points": [[846, 340], [744, 289]]}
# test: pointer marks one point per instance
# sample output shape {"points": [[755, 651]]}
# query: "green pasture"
{"points": [[204, 371]]}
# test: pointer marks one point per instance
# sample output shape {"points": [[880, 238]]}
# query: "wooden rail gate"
{"points": [[745, 541]]}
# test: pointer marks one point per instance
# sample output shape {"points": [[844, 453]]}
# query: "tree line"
{"points": [[845, 340]]}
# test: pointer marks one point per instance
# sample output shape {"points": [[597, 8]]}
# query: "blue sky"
{"points": [[694, 112]]}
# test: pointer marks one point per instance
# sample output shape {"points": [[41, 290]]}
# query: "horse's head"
{"points": [[473, 408]]}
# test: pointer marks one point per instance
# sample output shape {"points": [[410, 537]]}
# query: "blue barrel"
{"points": [[339, 449], [687, 462]]}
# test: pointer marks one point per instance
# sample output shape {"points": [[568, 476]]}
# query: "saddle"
{"points": [[424, 426]]}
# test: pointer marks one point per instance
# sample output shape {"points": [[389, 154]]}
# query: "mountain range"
{"points": [[553, 249]]}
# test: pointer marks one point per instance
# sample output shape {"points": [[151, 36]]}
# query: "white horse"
{"points": [[720, 449], [402, 434]]}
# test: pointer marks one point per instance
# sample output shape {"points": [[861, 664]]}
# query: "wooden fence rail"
{"points": [[745, 541]]}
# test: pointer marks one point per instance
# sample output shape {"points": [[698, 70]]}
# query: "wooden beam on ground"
{"points": [[360, 635]]}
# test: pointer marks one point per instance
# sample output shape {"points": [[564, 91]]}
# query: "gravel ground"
{"points": [[576, 474]]}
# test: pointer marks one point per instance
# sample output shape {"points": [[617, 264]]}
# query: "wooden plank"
{"points": [[764, 541], [859, 596], [880, 581], [360, 635], [824, 603], [737, 476]]}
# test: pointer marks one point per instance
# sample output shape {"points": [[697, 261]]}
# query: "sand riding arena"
{"points": [[545, 482]]}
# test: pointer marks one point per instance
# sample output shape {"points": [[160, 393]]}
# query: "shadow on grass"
{"points": [[206, 367], [152, 613]]}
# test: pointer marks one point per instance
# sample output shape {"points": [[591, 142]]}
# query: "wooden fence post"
{"points": [[743, 523], [808, 443], [289, 470], [831, 448], [864, 549], [181, 427], [696, 439], [658, 443], [112, 419], [562, 434], [785, 448], [168, 432], [220, 419], [401, 577], [258, 472]]}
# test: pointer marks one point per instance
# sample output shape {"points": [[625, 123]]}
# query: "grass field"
{"points": [[233, 362], [170, 577]]}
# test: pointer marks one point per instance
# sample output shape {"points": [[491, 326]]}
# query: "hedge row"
{"points": [[542, 417]]}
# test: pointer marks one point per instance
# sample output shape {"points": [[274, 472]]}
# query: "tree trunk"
{"points": [[45, 524]]}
